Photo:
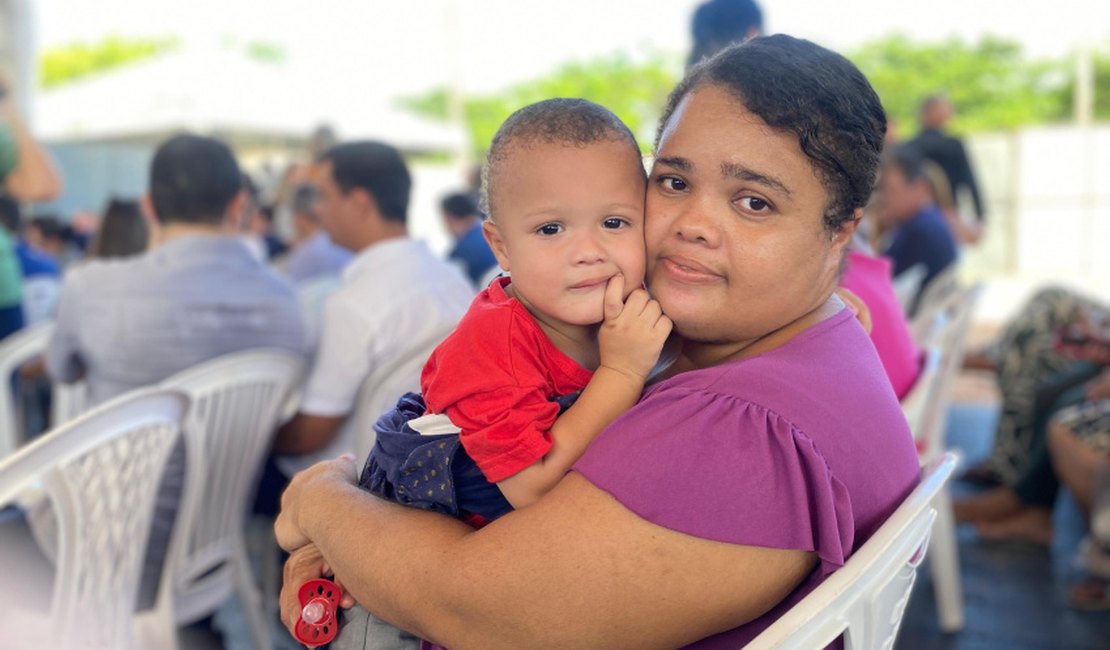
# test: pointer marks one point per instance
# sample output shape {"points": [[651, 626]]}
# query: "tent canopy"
{"points": [[222, 91]]}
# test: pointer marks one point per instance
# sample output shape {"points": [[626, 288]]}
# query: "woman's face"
{"points": [[736, 244]]}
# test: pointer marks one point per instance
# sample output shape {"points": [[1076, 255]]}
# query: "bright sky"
{"points": [[408, 45]]}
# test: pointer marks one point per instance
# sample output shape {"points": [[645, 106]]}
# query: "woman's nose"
{"points": [[693, 223]]}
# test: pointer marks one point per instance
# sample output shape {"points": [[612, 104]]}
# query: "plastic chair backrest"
{"points": [[916, 404], [948, 338], [907, 284], [236, 401], [385, 385], [68, 401], [865, 599], [101, 473], [16, 350], [934, 294]]}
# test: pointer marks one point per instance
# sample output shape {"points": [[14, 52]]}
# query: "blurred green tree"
{"points": [[1101, 61], [633, 88], [66, 63], [992, 83]]}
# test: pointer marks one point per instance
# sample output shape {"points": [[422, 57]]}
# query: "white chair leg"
{"points": [[250, 599], [944, 560]]}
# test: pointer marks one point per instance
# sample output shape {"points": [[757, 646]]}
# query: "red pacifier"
{"points": [[319, 602]]}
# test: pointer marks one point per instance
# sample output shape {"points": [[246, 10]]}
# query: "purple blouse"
{"points": [[803, 447]]}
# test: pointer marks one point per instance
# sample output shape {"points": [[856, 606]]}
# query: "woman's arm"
{"points": [[34, 177], [576, 569]]}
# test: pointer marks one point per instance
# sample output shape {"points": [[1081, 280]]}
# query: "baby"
{"points": [[544, 360]]}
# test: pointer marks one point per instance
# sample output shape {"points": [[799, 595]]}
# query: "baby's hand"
{"points": [[633, 331]]}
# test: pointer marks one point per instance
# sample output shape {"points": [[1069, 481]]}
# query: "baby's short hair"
{"points": [[562, 120]]}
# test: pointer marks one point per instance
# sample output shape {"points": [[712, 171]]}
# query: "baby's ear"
{"points": [[496, 243]]}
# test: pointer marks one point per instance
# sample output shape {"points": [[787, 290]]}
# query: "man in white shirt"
{"points": [[397, 299]]}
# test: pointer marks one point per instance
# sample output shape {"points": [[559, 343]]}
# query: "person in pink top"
{"points": [[772, 449], [868, 276]]}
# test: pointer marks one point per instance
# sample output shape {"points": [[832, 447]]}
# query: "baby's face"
{"points": [[568, 219]]}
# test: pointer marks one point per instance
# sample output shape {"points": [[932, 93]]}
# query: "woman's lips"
{"points": [[687, 270]]}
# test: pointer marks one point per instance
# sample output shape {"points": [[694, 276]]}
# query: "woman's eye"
{"points": [[549, 229], [614, 223], [671, 183], [755, 204]]}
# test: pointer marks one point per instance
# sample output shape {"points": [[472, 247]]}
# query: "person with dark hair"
{"points": [[905, 206], [199, 294], [395, 296], [718, 24], [464, 222], [50, 236], [258, 224], [543, 360], [771, 450], [949, 154], [122, 231], [313, 255]]}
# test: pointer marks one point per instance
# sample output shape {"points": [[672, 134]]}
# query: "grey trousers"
{"points": [[361, 630]]}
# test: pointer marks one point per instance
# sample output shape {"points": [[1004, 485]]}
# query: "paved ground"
{"points": [[1015, 593]]}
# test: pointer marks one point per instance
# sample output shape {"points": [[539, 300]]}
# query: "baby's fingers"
{"points": [[614, 297]]}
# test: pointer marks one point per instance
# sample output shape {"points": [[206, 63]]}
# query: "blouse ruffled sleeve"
{"points": [[721, 468]]}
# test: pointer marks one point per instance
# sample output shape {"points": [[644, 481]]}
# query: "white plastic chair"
{"points": [[937, 292], [926, 409], [385, 385], [907, 284], [68, 401], [236, 399], [918, 402], [865, 599], [16, 350], [100, 473]]}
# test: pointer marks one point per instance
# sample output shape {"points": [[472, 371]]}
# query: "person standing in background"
{"points": [[719, 23], [949, 153]]}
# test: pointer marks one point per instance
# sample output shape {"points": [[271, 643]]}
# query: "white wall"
{"points": [[1048, 194]]}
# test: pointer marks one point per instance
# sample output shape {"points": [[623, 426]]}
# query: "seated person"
{"points": [[920, 233], [868, 276], [774, 448], [471, 250]]}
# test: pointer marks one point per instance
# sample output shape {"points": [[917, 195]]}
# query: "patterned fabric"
{"points": [[430, 472], [1026, 360], [1090, 422]]}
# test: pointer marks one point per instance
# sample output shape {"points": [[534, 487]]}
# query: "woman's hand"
{"points": [[633, 332], [308, 490], [304, 564]]}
